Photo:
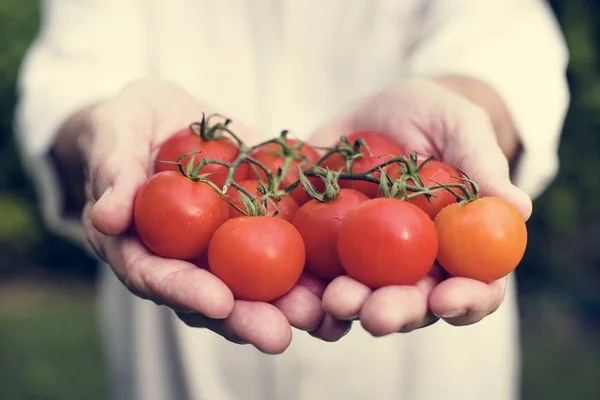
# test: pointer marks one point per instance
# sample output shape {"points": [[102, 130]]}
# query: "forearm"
{"points": [[485, 97], [66, 155]]}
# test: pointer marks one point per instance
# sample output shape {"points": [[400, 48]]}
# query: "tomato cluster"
{"points": [[258, 217]]}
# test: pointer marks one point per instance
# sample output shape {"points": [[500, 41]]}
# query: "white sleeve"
{"points": [[85, 51], [516, 47]]}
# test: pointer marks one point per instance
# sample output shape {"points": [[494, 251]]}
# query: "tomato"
{"points": [[386, 242], [319, 223], [272, 158], [484, 239], [186, 141], [175, 216], [286, 205], [258, 258], [432, 173], [382, 148]]}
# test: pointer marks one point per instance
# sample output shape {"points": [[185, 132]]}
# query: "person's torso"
{"points": [[282, 64]]}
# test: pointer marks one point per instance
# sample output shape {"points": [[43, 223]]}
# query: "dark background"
{"points": [[48, 339]]}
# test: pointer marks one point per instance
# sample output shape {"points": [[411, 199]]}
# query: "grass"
{"points": [[49, 347]]}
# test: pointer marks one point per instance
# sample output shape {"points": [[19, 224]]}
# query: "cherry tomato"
{"points": [[186, 141], [175, 217], [258, 258], [319, 223], [484, 239], [271, 157], [386, 242], [432, 173], [382, 148], [286, 206]]}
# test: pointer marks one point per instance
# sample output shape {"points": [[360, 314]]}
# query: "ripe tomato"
{"points": [[484, 239], [386, 242], [175, 217], [186, 141], [258, 258], [319, 223], [271, 157], [287, 205], [382, 148], [432, 172]]}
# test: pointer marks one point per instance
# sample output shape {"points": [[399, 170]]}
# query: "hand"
{"points": [[118, 143], [428, 118]]}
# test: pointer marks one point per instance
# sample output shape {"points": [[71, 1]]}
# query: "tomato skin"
{"points": [[319, 224], [274, 161], [258, 258], [386, 242], [432, 173], [185, 141], [483, 240], [287, 205], [382, 148], [175, 217]]}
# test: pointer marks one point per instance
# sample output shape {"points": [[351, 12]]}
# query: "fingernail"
{"points": [[106, 192], [347, 331], [452, 314]]}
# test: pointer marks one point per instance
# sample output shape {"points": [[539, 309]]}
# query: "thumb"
{"points": [[473, 147], [493, 178], [118, 157]]}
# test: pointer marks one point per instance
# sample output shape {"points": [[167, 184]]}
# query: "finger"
{"points": [[259, 324], [195, 320], [301, 308], [312, 283], [95, 239], [398, 308], [462, 301], [118, 163], [177, 284], [344, 298], [474, 148], [331, 329]]}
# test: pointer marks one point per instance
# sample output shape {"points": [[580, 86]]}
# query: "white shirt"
{"points": [[293, 64]]}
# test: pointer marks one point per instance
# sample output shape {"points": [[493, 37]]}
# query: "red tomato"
{"points": [[270, 156], [432, 173], [175, 217], [382, 148], [287, 205], [484, 239], [186, 141], [319, 223], [258, 258], [386, 242]]}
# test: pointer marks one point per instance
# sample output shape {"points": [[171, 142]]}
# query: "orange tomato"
{"points": [[484, 239]]}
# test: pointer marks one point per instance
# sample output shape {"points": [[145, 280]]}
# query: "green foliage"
{"points": [[560, 267], [563, 254], [49, 344], [25, 247]]}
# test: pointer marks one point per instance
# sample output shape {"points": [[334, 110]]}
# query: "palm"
{"points": [[428, 119], [126, 134]]}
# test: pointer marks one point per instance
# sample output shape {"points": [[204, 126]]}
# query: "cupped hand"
{"points": [[426, 117], [118, 142]]}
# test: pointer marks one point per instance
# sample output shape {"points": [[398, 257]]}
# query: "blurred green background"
{"points": [[49, 346]]}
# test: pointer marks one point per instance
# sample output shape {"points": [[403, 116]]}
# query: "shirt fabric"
{"points": [[294, 64]]}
